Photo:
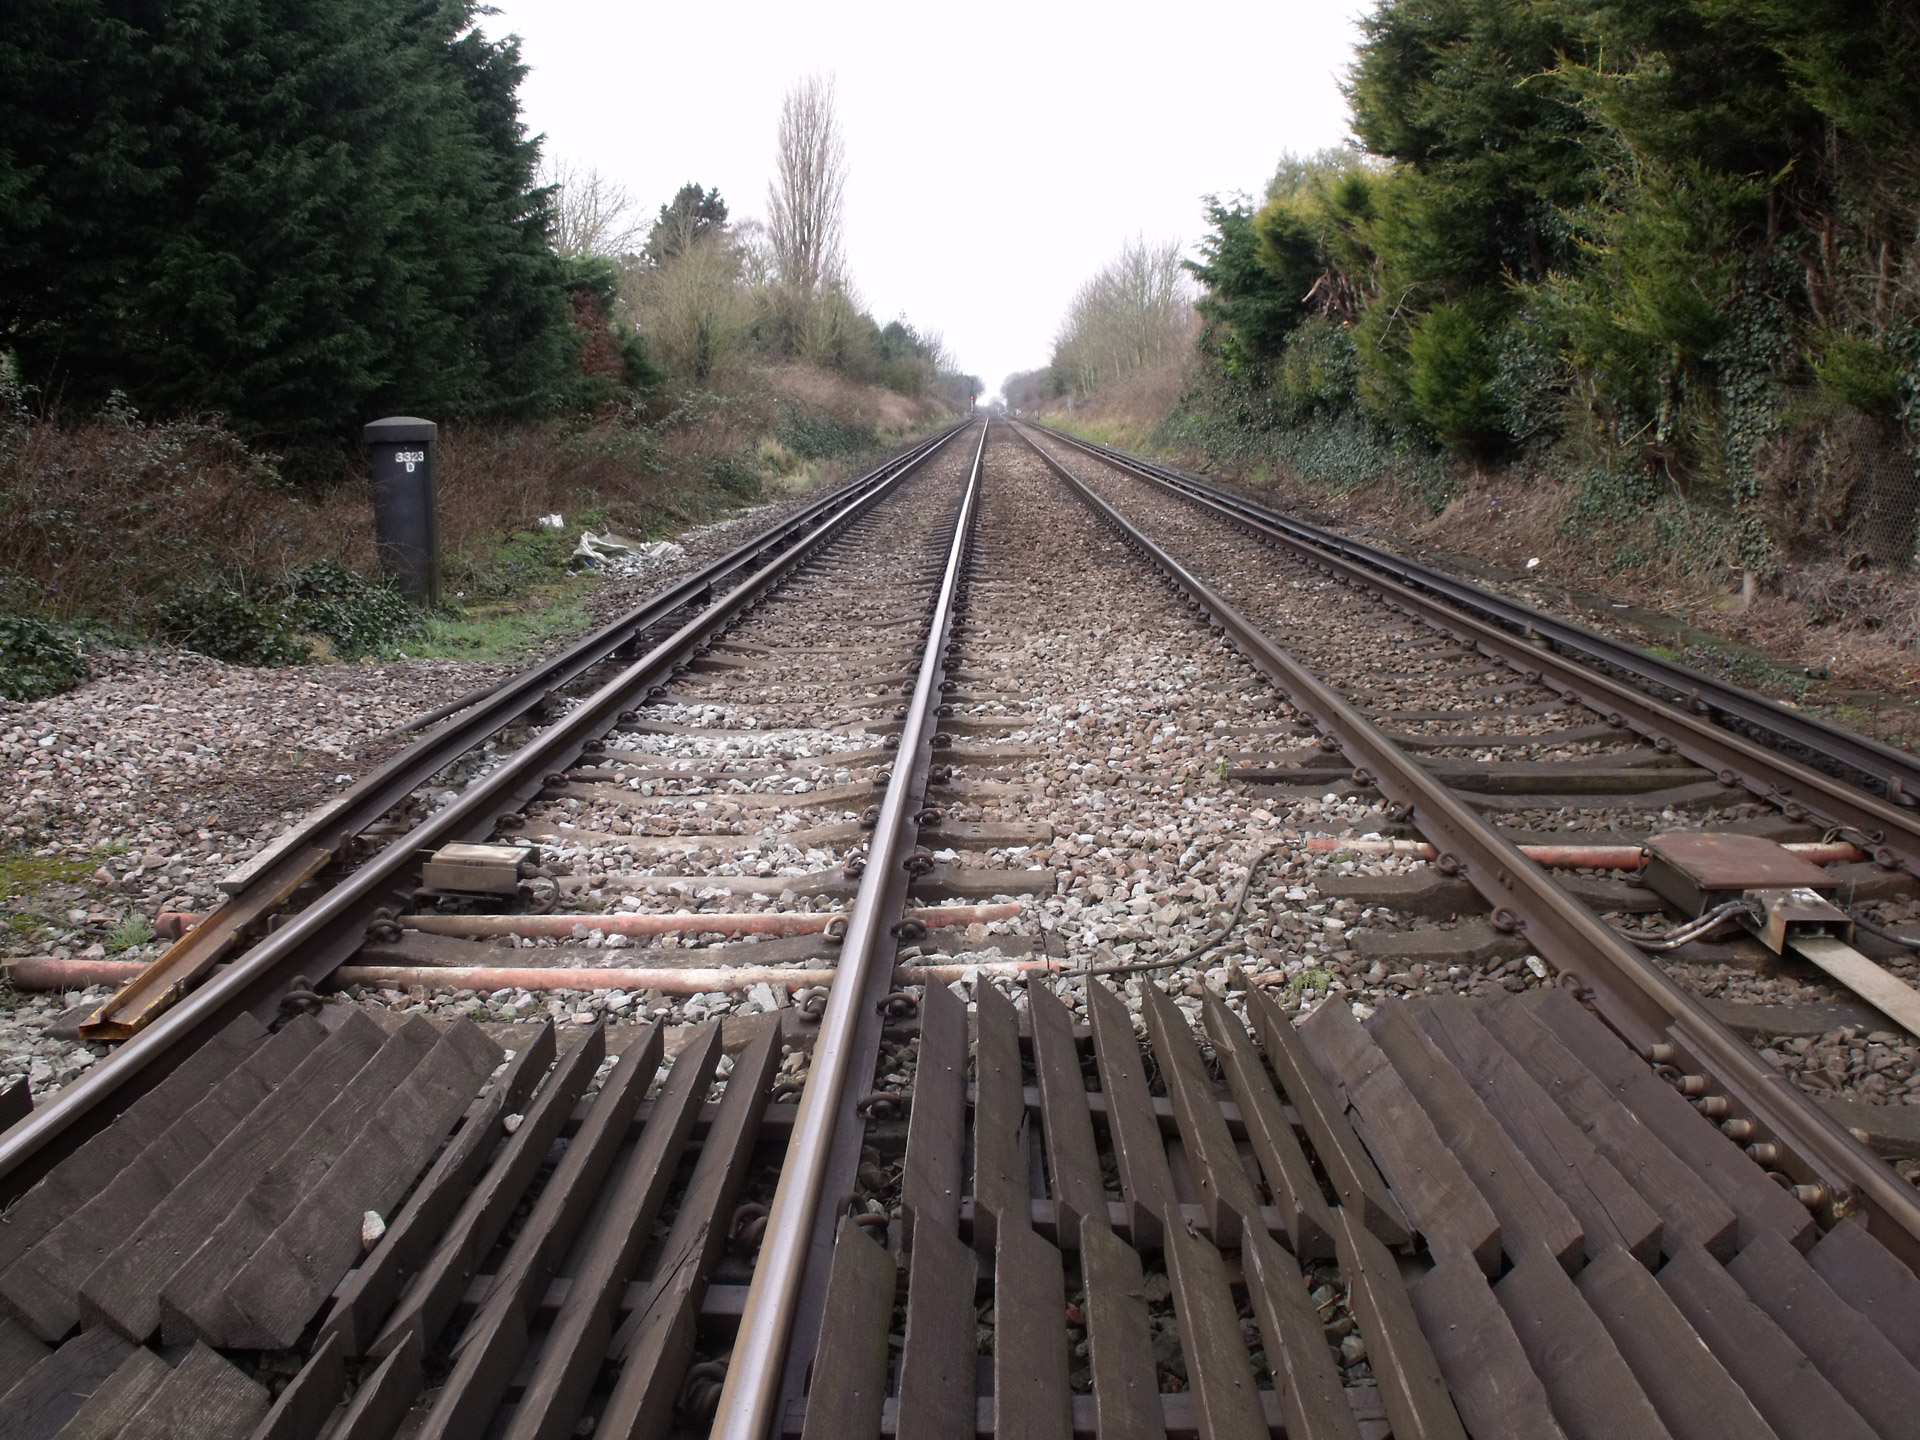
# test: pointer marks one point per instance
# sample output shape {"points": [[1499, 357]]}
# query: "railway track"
{"points": [[930, 976], [1888, 772]]}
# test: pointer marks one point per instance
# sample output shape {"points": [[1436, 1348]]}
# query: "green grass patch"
{"points": [[22, 873], [26, 877], [1120, 434], [524, 562], [1311, 981], [516, 599], [496, 633], [131, 931]]}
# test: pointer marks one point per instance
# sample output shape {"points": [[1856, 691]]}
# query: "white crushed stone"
{"points": [[26, 1050]]}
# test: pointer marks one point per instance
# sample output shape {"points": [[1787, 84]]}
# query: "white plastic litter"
{"points": [[614, 556], [372, 1227], [553, 522], [594, 551]]}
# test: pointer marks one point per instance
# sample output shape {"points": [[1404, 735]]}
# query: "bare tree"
{"points": [[1134, 314], [592, 215], [933, 345], [759, 266], [807, 194], [1028, 392]]}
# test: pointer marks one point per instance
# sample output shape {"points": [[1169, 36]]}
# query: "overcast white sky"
{"points": [[998, 153]]}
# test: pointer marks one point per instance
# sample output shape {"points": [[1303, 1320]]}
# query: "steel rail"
{"points": [[452, 707], [1636, 998], [268, 880], [1897, 771], [320, 937], [496, 707], [750, 1397], [1889, 831]]}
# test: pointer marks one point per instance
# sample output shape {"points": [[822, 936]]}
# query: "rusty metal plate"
{"points": [[1737, 862], [146, 995]]}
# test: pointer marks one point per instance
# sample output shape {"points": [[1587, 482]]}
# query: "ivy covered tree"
{"points": [[298, 213]]}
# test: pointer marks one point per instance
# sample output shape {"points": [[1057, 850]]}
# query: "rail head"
{"points": [[749, 1400]]}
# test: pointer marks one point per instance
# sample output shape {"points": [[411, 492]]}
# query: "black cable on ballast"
{"points": [[1700, 926], [1873, 928], [1224, 934]]}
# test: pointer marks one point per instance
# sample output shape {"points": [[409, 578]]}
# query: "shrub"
{"points": [[263, 624], [1452, 372], [37, 659], [354, 614], [222, 620], [820, 437], [734, 475]]}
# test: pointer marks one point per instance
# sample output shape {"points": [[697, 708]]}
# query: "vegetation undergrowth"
{"points": [[539, 621], [320, 610], [1745, 667], [120, 529], [37, 659], [519, 597]]}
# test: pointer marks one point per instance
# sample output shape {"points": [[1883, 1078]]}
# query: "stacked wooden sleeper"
{"points": [[1537, 1237]]}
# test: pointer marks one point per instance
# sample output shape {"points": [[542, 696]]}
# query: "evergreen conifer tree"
{"points": [[297, 213]]}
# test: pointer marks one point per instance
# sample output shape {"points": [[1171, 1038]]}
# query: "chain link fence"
{"points": [[1840, 485]]}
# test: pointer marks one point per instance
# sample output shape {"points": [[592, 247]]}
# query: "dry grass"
{"points": [[103, 520], [1125, 413], [885, 410]]}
